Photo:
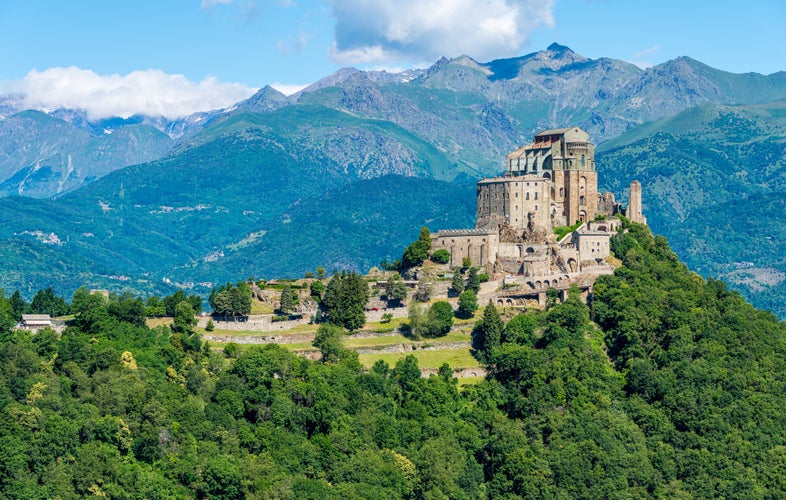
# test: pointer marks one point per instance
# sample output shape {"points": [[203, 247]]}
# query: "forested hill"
{"points": [[666, 386]]}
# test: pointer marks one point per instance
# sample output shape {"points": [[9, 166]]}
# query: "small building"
{"points": [[35, 322]]}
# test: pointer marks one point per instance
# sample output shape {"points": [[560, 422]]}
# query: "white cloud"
{"points": [[382, 31], [150, 92], [207, 4], [288, 88], [638, 60]]}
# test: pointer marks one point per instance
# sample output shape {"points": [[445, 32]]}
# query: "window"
{"points": [[528, 195], [536, 195]]}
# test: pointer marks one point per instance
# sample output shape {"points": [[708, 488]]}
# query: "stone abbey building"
{"points": [[548, 183]]}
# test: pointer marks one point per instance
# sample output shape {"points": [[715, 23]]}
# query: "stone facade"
{"points": [[479, 245], [564, 159], [549, 182], [512, 199]]}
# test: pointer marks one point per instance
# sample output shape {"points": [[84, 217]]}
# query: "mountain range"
{"points": [[343, 173]]}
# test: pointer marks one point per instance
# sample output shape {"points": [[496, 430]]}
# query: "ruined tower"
{"points": [[634, 212]]}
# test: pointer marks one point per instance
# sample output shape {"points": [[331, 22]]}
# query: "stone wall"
{"points": [[257, 322], [480, 246]]}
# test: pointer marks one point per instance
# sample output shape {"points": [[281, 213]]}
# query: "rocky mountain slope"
{"points": [[473, 113], [261, 188]]}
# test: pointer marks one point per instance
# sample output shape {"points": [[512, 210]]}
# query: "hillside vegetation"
{"points": [[667, 385], [714, 181]]}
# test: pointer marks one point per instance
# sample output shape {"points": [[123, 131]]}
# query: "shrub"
{"points": [[441, 256], [467, 304]]}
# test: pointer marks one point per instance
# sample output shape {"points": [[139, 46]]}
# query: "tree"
{"points": [[345, 300], [473, 280], [320, 272], [436, 321], [128, 310], [154, 307], [7, 320], [287, 301], [418, 250], [317, 289], [488, 332], [457, 283], [328, 341], [440, 319], [520, 330], [184, 318], [424, 290], [467, 304], [18, 305], [395, 289], [425, 237], [466, 263], [230, 300], [46, 302], [414, 255]]}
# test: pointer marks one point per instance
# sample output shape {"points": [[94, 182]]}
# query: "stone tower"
{"points": [[634, 212], [552, 181]]}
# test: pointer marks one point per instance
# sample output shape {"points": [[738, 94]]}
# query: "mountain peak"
{"points": [[555, 47]]}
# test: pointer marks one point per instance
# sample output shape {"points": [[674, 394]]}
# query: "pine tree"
{"points": [[286, 302], [458, 282], [473, 280], [489, 332]]}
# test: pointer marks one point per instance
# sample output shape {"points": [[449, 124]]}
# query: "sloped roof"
{"points": [[27, 318], [554, 131]]}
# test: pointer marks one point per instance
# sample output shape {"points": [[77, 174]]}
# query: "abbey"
{"points": [[548, 183]]}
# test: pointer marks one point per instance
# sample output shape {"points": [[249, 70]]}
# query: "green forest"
{"points": [[664, 385]]}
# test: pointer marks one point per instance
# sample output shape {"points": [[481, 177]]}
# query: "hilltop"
{"points": [[667, 385], [239, 178]]}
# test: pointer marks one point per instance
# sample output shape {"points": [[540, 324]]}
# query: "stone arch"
{"points": [[538, 284], [572, 265], [546, 175]]}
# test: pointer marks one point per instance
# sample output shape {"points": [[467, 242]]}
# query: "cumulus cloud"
{"points": [[382, 31], [151, 92]]}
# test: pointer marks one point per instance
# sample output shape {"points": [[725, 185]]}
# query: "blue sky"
{"points": [[177, 56]]}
